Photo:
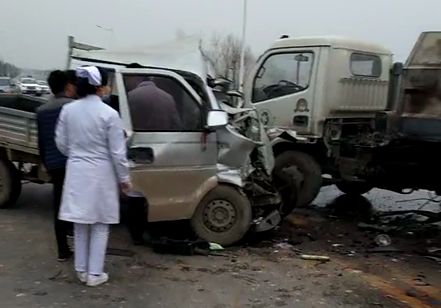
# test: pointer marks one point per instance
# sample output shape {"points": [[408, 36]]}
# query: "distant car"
{"points": [[5, 85], [44, 88], [28, 85]]}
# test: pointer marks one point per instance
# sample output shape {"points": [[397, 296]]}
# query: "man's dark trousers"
{"points": [[62, 228]]}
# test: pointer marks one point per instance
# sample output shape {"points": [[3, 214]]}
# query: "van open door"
{"points": [[173, 156]]}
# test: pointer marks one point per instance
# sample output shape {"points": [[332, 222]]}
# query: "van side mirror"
{"points": [[217, 118]]}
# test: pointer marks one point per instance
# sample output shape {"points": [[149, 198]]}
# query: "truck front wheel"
{"points": [[354, 188], [10, 184], [305, 171], [223, 216]]}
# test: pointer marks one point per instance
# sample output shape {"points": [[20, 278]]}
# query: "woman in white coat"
{"points": [[91, 135]]}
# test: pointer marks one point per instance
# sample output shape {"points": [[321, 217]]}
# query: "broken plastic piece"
{"points": [[215, 247], [315, 258], [383, 240]]}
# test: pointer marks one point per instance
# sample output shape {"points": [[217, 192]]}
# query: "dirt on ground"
{"points": [[264, 271]]}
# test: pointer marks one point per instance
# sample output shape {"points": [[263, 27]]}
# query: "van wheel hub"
{"points": [[219, 215]]}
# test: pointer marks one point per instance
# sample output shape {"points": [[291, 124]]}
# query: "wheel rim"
{"points": [[219, 215]]}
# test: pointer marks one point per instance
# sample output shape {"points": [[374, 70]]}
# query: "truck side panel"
{"points": [[18, 129]]}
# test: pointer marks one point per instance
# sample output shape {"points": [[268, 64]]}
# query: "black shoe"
{"points": [[64, 256]]}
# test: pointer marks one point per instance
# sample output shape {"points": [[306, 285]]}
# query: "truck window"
{"points": [[283, 74], [365, 65], [159, 103]]}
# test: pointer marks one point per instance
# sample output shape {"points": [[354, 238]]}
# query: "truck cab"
{"points": [[341, 107], [311, 90], [300, 83]]}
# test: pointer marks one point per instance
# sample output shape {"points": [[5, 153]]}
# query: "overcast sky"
{"points": [[34, 33]]}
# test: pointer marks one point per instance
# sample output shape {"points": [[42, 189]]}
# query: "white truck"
{"points": [[342, 108]]}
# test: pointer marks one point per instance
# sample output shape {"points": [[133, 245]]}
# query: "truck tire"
{"points": [[288, 188], [308, 178], [10, 184], [354, 188], [223, 216]]}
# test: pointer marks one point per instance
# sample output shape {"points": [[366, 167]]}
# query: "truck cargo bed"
{"points": [[18, 122]]}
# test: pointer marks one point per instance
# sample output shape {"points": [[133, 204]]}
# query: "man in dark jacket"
{"points": [[62, 85]]}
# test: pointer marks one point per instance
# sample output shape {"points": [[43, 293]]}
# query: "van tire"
{"points": [[223, 216], [310, 179], [354, 188], [10, 184]]}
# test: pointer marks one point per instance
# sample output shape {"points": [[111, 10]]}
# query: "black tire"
{"points": [[354, 188], [308, 181], [10, 184], [235, 208], [288, 190]]}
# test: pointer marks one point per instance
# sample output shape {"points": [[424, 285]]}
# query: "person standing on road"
{"points": [[62, 85], [91, 135]]}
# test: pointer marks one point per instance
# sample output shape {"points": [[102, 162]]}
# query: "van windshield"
{"points": [[28, 80]]}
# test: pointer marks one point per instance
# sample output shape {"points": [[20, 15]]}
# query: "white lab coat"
{"points": [[91, 135]]}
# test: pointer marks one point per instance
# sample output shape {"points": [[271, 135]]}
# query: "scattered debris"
{"points": [[383, 240], [283, 246], [384, 249], [215, 247], [315, 258], [375, 227], [420, 281], [412, 293], [337, 245], [434, 259], [434, 250]]}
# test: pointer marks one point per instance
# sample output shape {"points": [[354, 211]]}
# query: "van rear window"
{"points": [[365, 65]]}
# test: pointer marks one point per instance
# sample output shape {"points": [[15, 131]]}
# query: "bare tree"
{"points": [[7, 69], [223, 54]]}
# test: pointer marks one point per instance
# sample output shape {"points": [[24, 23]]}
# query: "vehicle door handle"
{"points": [[141, 155]]}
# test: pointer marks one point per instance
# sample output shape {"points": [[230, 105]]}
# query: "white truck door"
{"points": [[283, 88]]}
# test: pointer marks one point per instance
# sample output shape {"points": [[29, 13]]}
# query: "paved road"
{"points": [[267, 273]]}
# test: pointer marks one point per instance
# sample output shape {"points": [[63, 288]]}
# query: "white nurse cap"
{"points": [[92, 74]]}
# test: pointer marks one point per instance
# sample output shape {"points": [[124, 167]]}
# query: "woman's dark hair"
{"points": [[84, 88]]}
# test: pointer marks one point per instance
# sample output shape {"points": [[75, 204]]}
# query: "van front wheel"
{"points": [[223, 216]]}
